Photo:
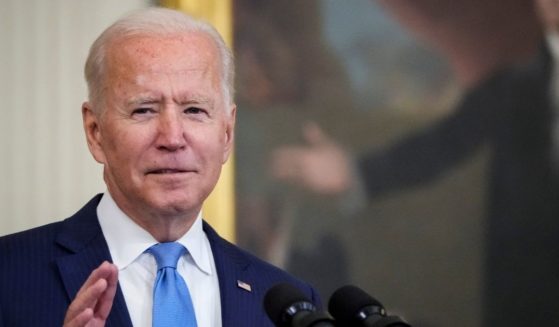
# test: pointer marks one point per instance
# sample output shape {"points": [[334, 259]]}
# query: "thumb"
{"points": [[314, 135]]}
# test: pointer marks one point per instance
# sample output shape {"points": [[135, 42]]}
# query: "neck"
{"points": [[166, 229], [165, 226]]}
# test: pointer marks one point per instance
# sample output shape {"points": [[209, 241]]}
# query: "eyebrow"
{"points": [[194, 99], [144, 100], [183, 99]]}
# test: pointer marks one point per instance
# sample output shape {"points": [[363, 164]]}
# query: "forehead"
{"points": [[177, 54]]}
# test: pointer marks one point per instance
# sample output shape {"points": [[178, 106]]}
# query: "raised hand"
{"points": [[93, 303]]}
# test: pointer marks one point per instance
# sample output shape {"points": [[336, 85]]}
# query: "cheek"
{"points": [[211, 147], [123, 146]]}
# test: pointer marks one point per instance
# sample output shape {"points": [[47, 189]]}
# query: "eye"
{"points": [[142, 111], [194, 110]]}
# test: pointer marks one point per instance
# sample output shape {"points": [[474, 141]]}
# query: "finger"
{"points": [[105, 303], [102, 272], [81, 319], [88, 298], [91, 290]]}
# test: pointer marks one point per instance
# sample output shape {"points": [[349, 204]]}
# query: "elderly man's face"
{"points": [[166, 129]]}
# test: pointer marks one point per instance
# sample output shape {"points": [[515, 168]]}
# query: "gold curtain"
{"points": [[219, 208]]}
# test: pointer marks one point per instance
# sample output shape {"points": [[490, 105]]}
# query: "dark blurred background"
{"points": [[444, 113]]}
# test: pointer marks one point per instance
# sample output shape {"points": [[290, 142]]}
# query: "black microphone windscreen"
{"points": [[347, 301], [279, 298]]}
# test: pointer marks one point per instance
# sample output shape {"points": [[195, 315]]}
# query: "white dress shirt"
{"points": [[137, 270]]}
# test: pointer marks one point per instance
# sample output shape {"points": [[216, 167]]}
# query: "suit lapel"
{"points": [[83, 238], [237, 301]]}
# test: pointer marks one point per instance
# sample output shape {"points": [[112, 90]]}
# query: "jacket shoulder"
{"points": [[254, 269]]}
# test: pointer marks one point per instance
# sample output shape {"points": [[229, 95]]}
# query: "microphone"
{"points": [[352, 307], [287, 306]]}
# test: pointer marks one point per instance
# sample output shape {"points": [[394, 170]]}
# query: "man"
{"points": [[160, 118]]}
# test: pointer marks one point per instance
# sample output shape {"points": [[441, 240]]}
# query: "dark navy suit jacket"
{"points": [[42, 269]]}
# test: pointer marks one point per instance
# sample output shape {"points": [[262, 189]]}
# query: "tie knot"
{"points": [[167, 254]]}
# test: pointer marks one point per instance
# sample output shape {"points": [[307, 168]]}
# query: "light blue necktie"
{"points": [[172, 305]]}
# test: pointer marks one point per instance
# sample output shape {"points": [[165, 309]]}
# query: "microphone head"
{"points": [[283, 301], [350, 304]]}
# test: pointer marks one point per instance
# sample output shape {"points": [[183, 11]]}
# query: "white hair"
{"points": [[153, 22]]}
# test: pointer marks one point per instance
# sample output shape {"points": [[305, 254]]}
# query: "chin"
{"points": [[176, 205]]}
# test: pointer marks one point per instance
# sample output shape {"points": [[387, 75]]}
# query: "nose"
{"points": [[171, 136]]}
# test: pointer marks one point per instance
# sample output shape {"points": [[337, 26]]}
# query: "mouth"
{"points": [[166, 171]]}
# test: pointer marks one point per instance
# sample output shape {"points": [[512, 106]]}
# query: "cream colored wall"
{"points": [[46, 171]]}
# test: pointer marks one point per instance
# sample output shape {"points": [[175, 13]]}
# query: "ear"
{"points": [[92, 130], [229, 132]]}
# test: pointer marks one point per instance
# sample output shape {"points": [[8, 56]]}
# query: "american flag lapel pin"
{"points": [[244, 286]]}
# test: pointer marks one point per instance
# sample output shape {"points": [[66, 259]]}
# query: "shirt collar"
{"points": [[125, 250]]}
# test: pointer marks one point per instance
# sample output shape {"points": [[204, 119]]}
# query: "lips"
{"points": [[162, 171]]}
